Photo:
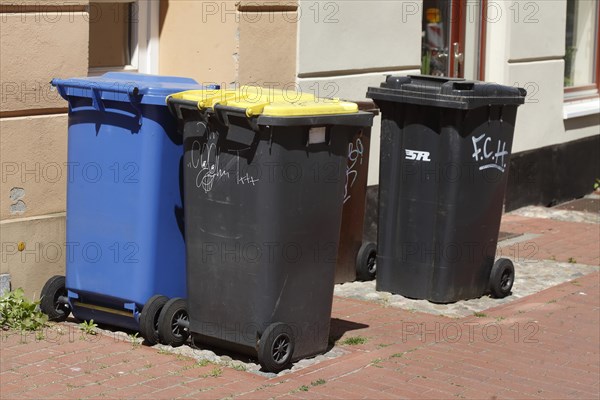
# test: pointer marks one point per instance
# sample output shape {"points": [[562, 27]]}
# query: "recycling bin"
{"points": [[264, 178], [125, 250], [445, 153], [356, 258]]}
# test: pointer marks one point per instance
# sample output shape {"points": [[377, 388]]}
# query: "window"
{"points": [[581, 50], [123, 36], [111, 28]]}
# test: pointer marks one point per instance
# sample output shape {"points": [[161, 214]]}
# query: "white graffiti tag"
{"points": [[206, 159], [417, 155], [355, 155], [208, 163], [246, 178], [492, 159]]}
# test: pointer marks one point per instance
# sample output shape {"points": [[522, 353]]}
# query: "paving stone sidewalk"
{"points": [[531, 276], [542, 345], [548, 247]]}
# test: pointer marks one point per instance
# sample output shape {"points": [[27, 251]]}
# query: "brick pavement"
{"points": [[541, 346], [558, 240]]}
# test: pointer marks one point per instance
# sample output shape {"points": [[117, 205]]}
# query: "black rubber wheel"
{"points": [[170, 329], [366, 262], [149, 318], [50, 304], [502, 278], [195, 343], [276, 347]]}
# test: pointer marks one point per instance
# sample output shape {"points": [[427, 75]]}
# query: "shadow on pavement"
{"points": [[339, 327]]}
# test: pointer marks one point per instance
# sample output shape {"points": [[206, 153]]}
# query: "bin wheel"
{"points": [[195, 343], [149, 318], [366, 262], [51, 303], [502, 278], [173, 322], [276, 347]]}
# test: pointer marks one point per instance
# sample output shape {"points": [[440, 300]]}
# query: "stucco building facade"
{"points": [[330, 48]]}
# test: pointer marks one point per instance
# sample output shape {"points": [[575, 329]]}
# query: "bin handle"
{"points": [[500, 117], [135, 104], [96, 91], [97, 102]]}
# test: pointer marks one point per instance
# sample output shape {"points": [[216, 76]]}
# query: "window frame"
{"points": [[483, 38], [590, 91], [144, 39], [461, 14]]}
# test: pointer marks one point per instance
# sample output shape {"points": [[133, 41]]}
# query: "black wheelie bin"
{"points": [[264, 177], [445, 152]]}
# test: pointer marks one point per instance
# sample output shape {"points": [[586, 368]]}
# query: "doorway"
{"points": [[453, 38]]}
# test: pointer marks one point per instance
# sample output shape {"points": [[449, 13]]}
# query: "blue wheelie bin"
{"points": [[125, 252]]}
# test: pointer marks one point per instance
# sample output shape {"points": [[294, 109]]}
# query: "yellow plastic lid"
{"points": [[269, 102]]}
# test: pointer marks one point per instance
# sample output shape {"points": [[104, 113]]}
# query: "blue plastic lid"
{"points": [[126, 86]]}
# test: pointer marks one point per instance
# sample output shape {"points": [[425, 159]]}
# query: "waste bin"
{"points": [[125, 250], [445, 152], [264, 174], [356, 259]]}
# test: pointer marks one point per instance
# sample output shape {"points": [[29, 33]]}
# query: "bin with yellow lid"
{"points": [[264, 177]]}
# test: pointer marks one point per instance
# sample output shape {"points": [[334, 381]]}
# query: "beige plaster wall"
{"points": [[40, 5], [42, 257], [37, 47], [33, 151], [268, 47], [199, 39], [39, 41]]}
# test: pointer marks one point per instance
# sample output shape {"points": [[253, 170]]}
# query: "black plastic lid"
{"points": [[445, 92]]}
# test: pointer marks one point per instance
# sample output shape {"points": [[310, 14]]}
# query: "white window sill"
{"points": [[581, 108]]}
